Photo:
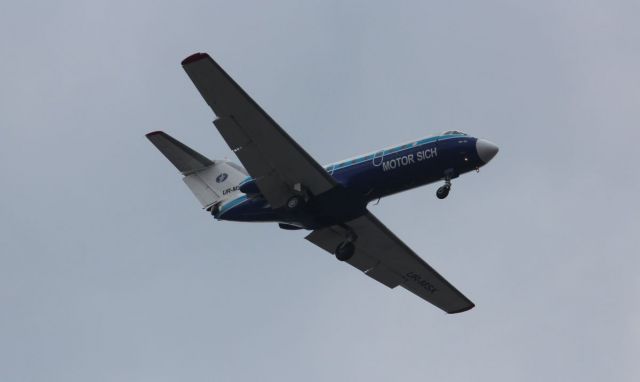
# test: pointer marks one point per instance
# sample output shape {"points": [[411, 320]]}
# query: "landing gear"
{"points": [[298, 199], [345, 250], [294, 202], [443, 191]]}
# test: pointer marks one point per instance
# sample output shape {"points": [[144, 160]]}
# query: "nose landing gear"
{"points": [[443, 191]]}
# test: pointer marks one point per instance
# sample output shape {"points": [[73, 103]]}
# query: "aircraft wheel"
{"points": [[294, 202], [443, 191], [345, 250]]}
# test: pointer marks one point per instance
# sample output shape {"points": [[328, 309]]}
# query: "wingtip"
{"points": [[464, 309], [151, 134], [195, 57]]}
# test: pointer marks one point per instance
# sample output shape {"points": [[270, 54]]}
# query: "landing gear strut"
{"points": [[345, 250], [443, 191]]}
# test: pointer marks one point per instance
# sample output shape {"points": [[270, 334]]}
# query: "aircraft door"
{"points": [[378, 158]]}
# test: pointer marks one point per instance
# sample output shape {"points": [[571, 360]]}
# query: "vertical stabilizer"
{"points": [[212, 182]]}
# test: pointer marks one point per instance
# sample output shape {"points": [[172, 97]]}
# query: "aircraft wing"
{"points": [[382, 256], [269, 154]]}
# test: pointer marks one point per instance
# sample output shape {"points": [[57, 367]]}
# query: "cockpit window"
{"points": [[453, 132]]}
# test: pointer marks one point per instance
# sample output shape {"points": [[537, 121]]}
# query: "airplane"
{"points": [[280, 182]]}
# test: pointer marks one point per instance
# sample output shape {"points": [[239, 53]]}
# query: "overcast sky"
{"points": [[110, 271]]}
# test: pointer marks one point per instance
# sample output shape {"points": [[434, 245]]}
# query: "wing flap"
{"points": [[232, 133], [385, 275]]}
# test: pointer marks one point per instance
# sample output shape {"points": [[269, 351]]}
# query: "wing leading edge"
{"points": [[382, 256], [271, 156]]}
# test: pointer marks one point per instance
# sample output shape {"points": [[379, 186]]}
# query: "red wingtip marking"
{"points": [[194, 57]]}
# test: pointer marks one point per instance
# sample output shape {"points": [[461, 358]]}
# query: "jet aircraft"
{"points": [[279, 182]]}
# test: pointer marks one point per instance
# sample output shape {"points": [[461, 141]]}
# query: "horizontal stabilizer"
{"points": [[186, 160]]}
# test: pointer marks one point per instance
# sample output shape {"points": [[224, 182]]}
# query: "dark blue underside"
{"points": [[371, 177]]}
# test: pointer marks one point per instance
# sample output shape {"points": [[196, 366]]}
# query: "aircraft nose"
{"points": [[486, 150]]}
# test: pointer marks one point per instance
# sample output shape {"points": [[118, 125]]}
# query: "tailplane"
{"points": [[211, 181]]}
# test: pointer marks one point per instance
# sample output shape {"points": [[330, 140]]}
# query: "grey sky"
{"points": [[109, 271]]}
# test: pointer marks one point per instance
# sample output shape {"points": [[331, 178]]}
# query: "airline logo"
{"points": [[406, 160], [222, 177]]}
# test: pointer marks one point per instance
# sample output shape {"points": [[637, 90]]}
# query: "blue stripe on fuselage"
{"points": [[393, 150], [233, 203], [352, 162]]}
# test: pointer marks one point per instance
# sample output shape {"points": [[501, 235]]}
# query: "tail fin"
{"points": [[185, 159], [212, 182]]}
